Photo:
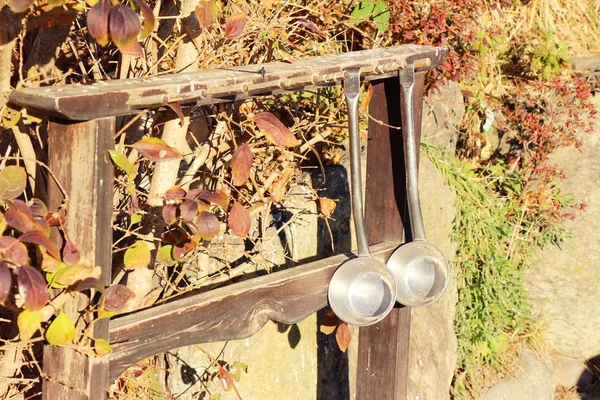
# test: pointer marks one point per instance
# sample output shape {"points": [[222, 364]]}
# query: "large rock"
{"points": [[443, 110], [433, 342], [564, 288], [533, 381]]}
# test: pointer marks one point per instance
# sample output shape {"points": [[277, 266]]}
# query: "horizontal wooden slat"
{"points": [[232, 312], [127, 96]]}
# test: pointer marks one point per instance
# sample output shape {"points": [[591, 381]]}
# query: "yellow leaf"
{"points": [[28, 322], [61, 331], [10, 117], [137, 256], [102, 347], [75, 273]]}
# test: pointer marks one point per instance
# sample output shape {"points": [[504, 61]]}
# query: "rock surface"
{"points": [[443, 111]]}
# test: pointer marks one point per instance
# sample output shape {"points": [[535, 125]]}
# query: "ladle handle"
{"points": [[352, 92], [411, 152]]}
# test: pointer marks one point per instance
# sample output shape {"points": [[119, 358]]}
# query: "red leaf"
{"points": [[71, 255], [274, 130], [180, 251], [169, 213], [156, 150], [5, 281], [189, 210], [206, 225], [328, 323], [32, 288], [343, 337], [13, 251], [37, 237], [241, 161], [174, 194], [175, 106], [97, 21], [217, 197], [234, 25], [116, 296], [55, 219], [19, 217], [239, 220], [123, 25], [226, 379], [90, 283], [132, 49]]}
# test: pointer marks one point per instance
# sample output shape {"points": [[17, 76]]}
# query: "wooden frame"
{"points": [[78, 158]]}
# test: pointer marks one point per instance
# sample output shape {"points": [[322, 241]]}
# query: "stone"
{"points": [[533, 381], [564, 287], [570, 372], [443, 110], [433, 342]]}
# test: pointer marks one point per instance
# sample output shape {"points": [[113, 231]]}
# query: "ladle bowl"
{"points": [[362, 291]]}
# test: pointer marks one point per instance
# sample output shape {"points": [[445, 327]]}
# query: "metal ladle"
{"points": [[362, 291], [420, 269]]}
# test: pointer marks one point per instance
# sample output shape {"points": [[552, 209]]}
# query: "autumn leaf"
{"points": [[149, 19], [274, 130], [13, 181], [121, 161], [169, 213], [217, 197], [206, 11], [226, 379], [32, 288], [343, 337], [102, 347], [116, 297], [241, 161], [19, 6], [97, 21], [19, 217], [239, 220], [13, 251], [29, 322], [180, 250], [137, 256], [123, 25], [326, 206], [206, 225], [132, 49], [234, 25], [164, 255], [90, 283], [3, 224], [70, 252], [189, 210], [5, 281], [156, 150], [37, 237], [75, 273], [174, 194], [329, 323], [176, 107], [61, 331]]}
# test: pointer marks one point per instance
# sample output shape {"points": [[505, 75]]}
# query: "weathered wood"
{"points": [[127, 96], [384, 347], [79, 160], [233, 312]]}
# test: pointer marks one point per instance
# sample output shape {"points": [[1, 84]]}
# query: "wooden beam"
{"points": [[128, 96], [384, 347], [79, 159], [232, 312]]}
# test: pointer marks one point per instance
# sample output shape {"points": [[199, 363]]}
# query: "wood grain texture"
{"points": [[233, 312], [127, 96], [384, 347], [79, 159]]}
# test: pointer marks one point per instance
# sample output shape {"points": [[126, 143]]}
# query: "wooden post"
{"points": [[384, 347], [78, 157]]}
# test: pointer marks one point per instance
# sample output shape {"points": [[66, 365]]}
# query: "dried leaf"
{"points": [[343, 337], [156, 150], [225, 379], [75, 273], [206, 225], [32, 288], [326, 206], [329, 322], [121, 161], [13, 251], [137, 256], [61, 331], [37, 237], [169, 213], [97, 21], [102, 347], [19, 6], [116, 296], [217, 197], [49, 263], [234, 25], [5, 281], [13, 181], [206, 11], [274, 130], [149, 19], [311, 26], [175, 106], [241, 161], [19, 217], [123, 25], [239, 220], [29, 322]]}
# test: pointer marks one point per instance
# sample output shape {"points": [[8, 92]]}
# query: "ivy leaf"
{"points": [[274, 130], [234, 25], [123, 25], [206, 225], [37, 237], [239, 220], [97, 21], [102, 347], [13, 251], [5, 281], [328, 323], [226, 379], [61, 331], [121, 161], [169, 213], [74, 273], [241, 161], [13, 181], [32, 288], [29, 322], [137, 256], [116, 296], [206, 11], [156, 150], [343, 337]]}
